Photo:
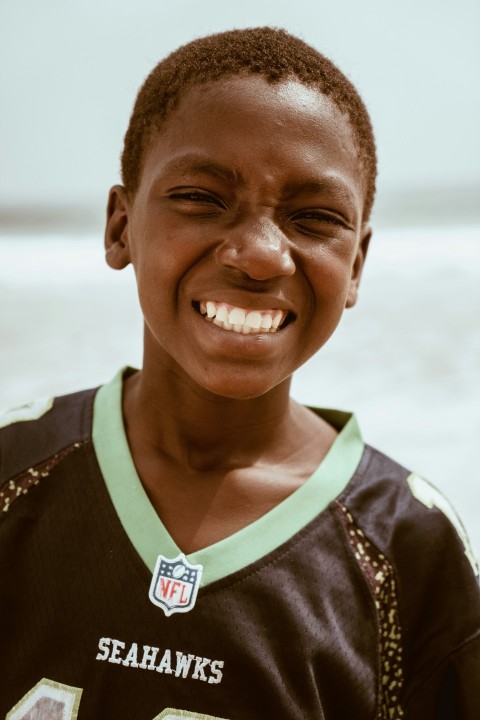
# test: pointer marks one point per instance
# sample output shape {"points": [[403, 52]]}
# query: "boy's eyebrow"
{"points": [[316, 186], [193, 163]]}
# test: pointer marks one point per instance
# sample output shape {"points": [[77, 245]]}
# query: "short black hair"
{"points": [[270, 52]]}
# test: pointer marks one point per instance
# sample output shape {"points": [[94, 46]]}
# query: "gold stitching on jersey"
{"points": [[380, 577], [11, 490]]}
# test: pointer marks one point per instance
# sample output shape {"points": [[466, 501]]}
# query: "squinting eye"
{"points": [[320, 217], [194, 197], [196, 203], [317, 217]]}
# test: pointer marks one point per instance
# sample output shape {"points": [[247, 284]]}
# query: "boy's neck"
{"points": [[198, 429]]}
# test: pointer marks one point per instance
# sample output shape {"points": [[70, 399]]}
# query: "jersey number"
{"points": [[50, 700]]}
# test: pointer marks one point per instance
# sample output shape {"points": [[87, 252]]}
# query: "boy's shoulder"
{"points": [[417, 563], [406, 536], [402, 512], [40, 431]]}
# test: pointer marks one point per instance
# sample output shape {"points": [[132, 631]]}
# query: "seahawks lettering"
{"points": [[169, 662]]}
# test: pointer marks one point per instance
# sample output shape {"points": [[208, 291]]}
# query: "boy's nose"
{"points": [[258, 249]]}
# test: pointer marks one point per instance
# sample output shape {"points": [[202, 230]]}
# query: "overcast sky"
{"points": [[70, 71]]}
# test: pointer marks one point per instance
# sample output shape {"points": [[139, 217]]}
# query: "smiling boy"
{"points": [[199, 544]]}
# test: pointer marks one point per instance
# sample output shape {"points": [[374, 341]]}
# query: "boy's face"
{"points": [[251, 199]]}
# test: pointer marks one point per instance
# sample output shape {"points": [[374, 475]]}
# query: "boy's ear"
{"points": [[117, 250], [358, 264]]}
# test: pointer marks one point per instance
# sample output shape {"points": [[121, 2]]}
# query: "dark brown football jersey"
{"points": [[356, 597]]}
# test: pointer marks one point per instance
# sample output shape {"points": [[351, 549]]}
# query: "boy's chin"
{"points": [[243, 388]]}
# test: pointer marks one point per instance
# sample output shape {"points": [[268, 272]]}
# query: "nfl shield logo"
{"points": [[175, 584]]}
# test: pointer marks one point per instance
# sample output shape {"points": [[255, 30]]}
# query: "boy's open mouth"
{"points": [[243, 320]]}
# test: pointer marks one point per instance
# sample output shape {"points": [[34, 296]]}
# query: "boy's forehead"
{"points": [[253, 92], [258, 102]]}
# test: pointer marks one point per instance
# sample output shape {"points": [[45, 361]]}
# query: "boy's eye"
{"points": [[313, 219], [195, 197]]}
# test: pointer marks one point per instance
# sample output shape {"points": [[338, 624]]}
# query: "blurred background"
{"points": [[406, 359]]}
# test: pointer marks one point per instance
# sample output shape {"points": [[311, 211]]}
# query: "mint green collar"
{"points": [[145, 529]]}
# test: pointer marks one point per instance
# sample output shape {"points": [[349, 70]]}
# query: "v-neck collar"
{"points": [[148, 534]]}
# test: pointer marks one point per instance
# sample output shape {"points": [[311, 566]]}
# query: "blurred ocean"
{"points": [[406, 359]]}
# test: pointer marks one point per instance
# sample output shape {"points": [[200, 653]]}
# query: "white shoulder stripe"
{"points": [[431, 497], [30, 411]]}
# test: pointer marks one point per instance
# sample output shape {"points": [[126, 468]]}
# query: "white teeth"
{"points": [[276, 320], [266, 323], [236, 317], [240, 320], [222, 313], [253, 320], [211, 309]]}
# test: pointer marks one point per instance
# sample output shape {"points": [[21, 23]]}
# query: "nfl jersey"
{"points": [[356, 597]]}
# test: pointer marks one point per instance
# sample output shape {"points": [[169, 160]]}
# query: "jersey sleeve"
{"points": [[449, 632]]}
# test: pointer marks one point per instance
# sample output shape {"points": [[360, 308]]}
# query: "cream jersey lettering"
{"points": [[355, 597]]}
